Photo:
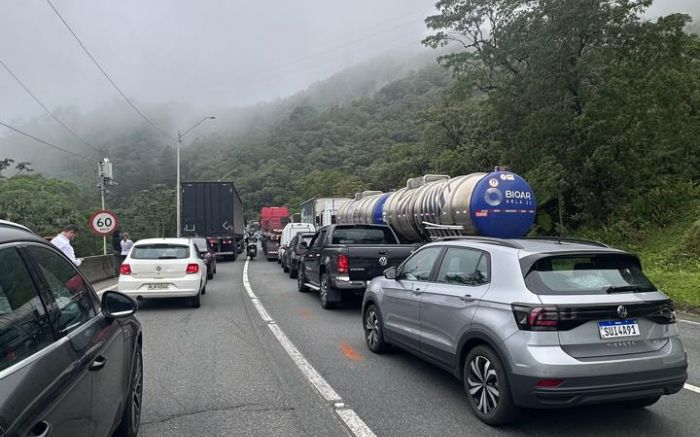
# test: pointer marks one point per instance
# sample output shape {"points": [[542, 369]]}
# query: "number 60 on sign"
{"points": [[103, 222]]}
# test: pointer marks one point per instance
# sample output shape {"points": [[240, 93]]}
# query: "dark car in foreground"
{"points": [[208, 254], [531, 323], [70, 362]]}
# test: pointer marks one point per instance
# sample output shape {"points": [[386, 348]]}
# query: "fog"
{"points": [[203, 53], [181, 59]]}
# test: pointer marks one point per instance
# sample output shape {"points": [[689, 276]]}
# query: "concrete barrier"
{"points": [[98, 268]]}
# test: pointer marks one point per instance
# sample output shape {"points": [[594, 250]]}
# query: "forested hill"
{"points": [[323, 149]]}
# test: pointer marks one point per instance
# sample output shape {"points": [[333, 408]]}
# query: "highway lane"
{"points": [[397, 394], [217, 370]]}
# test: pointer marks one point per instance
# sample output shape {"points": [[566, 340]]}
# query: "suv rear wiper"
{"points": [[623, 289]]}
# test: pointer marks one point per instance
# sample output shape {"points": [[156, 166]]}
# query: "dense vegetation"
{"points": [[597, 108]]}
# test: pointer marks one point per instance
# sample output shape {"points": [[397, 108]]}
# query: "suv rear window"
{"points": [[587, 274], [367, 235], [160, 251]]}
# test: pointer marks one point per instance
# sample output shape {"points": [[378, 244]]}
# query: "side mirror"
{"points": [[390, 273], [116, 305], [304, 245]]}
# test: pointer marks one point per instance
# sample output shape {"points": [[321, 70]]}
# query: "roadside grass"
{"points": [[670, 255]]}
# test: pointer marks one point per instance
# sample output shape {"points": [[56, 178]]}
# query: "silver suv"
{"points": [[531, 323]]}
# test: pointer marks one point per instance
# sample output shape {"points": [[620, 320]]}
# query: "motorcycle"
{"points": [[251, 248]]}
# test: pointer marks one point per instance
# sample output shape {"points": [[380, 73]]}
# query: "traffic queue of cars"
{"points": [[522, 323]]}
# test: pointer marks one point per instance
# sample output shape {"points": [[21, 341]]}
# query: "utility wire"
{"points": [[97, 64], [36, 99], [45, 142]]}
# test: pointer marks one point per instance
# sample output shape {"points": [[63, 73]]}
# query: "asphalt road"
{"points": [[218, 371], [398, 394]]}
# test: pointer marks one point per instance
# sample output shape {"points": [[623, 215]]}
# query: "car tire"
{"points": [[204, 289], [214, 269], [210, 275], [487, 388], [131, 417], [196, 301], [640, 403], [285, 267], [301, 281], [323, 293], [293, 271], [374, 330]]}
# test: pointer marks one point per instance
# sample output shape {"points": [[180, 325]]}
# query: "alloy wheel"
{"points": [[137, 395], [372, 328], [324, 291], [483, 384]]}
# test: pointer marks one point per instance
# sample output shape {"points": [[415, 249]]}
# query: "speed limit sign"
{"points": [[103, 222]]}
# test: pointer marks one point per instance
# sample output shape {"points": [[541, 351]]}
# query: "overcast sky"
{"points": [[199, 52]]}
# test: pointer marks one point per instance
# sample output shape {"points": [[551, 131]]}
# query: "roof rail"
{"points": [[15, 225], [568, 240], [488, 240]]}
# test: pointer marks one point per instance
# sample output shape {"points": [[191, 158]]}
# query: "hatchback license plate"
{"points": [[157, 286], [618, 328]]}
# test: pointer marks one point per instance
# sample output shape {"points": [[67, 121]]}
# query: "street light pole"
{"points": [[178, 188]]}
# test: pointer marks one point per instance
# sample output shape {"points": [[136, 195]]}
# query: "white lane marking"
{"points": [[355, 424], [306, 368], [691, 388], [689, 321], [261, 310], [353, 421]]}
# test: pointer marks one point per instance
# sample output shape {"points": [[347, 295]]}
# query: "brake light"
{"points": [[125, 269], [192, 268], [343, 263], [536, 318]]}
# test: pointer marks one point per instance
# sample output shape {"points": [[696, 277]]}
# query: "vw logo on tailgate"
{"points": [[622, 311], [383, 261]]}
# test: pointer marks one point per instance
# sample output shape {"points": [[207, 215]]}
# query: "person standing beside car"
{"points": [[126, 245], [117, 250], [62, 242]]}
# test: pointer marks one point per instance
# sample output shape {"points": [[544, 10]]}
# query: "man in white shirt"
{"points": [[62, 243]]}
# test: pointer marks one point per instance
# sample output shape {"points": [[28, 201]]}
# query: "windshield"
{"points": [[593, 274], [363, 235], [160, 251]]}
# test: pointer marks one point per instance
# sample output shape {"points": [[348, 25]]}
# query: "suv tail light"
{"points": [[343, 263], [125, 269], [536, 318], [192, 268]]}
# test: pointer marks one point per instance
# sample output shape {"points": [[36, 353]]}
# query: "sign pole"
{"points": [[102, 191]]}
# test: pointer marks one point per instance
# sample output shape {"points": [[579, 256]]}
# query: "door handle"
{"points": [[99, 363], [41, 429], [467, 298]]}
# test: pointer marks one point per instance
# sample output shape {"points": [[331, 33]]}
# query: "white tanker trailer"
{"points": [[498, 204]]}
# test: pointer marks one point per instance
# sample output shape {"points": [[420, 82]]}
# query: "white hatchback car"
{"points": [[163, 268]]}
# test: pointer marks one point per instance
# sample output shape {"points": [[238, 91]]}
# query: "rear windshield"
{"points": [[363, 236], [160, 251], [587, 274]]}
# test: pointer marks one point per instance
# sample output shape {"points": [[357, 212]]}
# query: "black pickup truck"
{"points": [[342, 259]]}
